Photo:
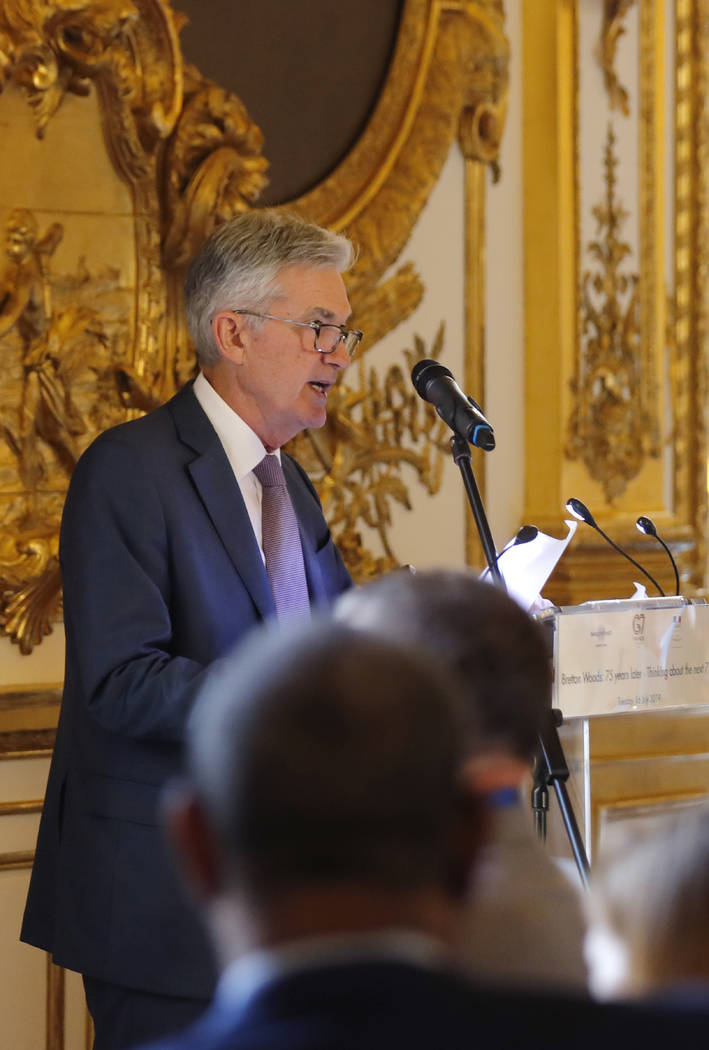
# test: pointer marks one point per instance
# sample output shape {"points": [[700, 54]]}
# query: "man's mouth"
{"points": [[322, 388]]}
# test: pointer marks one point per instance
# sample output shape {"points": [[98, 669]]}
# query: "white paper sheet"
{"points": [[526, 567]]}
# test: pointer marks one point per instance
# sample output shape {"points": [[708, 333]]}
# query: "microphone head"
{"points": [[646, 526], [581, 511], [425, 372], [526, 534]]}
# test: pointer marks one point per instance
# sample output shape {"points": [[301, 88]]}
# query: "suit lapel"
{"points": [[218, 490]]}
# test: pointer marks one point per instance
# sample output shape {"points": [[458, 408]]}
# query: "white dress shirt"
{"points": [[244, 448]]}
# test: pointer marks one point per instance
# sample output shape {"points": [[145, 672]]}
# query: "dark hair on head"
{"points": [[499, 652], [328, 754]]}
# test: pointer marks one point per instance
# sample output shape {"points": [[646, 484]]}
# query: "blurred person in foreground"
{"points": [[648, 913], [523, 924], [326, 832], [329, 836]]}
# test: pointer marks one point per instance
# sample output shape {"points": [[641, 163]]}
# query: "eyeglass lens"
{"points": [[330, 336]]}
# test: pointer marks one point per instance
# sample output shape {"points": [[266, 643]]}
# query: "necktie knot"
{"points": [[270, 472]]}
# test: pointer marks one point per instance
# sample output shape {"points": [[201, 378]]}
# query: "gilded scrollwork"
{"points": [[80, 356], [86, 348], [614, 12], [62, 338], [613, 425], [50, 49], [214, 167]]}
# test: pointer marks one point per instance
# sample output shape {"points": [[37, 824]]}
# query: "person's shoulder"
{"points": [[159, 419], [127, 455], [144, 433]]}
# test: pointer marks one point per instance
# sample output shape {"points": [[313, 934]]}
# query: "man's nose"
{"points": [[339, 356]]}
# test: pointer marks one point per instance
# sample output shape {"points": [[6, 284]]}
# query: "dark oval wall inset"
{"points": [[308, 72]]}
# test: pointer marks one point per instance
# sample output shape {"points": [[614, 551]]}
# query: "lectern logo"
{"points": [[600, 635], [639, 625]]}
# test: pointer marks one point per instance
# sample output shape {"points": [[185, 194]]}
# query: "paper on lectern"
{"points": [[526, 567]]}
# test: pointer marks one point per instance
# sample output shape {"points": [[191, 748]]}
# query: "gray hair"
{"points": [[239, 264]]}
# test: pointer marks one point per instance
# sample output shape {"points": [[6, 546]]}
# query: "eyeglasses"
{"points": [[327, 336]]}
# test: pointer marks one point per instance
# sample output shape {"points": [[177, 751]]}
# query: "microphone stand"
{"points": [[463, 457], [550, 766]]}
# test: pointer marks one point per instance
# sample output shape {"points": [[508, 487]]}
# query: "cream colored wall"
{"points": [[45, 666]]}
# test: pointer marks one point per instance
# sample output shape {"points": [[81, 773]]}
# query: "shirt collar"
{"points": [[247, 975], [242, 445]]}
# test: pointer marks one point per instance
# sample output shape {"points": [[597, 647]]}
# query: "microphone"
{"points": [[435, 383], [647, 526], [525, 535], [581, 511]]}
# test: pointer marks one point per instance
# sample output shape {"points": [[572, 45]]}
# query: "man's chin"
{"points": [[317, 419]]}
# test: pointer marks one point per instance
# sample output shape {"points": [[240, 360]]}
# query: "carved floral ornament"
{"points": [[613, 426], [79, 361]]}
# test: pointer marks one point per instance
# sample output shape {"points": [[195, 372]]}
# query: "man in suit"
{"points": [[523, 924], [169, 556]]}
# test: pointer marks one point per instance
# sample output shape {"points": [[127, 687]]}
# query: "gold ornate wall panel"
{"points": [[616, 233], [123, 161]]}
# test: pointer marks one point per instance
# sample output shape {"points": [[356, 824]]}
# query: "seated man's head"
{"points": [[648, 908], [496, 649], [266, 307], [323, 792]]}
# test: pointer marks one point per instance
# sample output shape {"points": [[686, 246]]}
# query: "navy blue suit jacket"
{"points": [[162, 575], [393, 1005]]}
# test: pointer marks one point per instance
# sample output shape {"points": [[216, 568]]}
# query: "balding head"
{"points": [[327, 755]]}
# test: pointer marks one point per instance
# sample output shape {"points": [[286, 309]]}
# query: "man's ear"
{"points": [[193, 840], [492, 770], [469, 832], [228, 330]]}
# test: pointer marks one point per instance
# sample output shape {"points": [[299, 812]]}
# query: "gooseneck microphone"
{"points": [[526, 534], [435, 383], [647, 527], [581, 511]]}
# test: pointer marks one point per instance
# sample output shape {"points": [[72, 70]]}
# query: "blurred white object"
{"points": [[525, 568], [608, 962]]}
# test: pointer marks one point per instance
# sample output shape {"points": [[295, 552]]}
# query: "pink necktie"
{"points": [[281, 542]]}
